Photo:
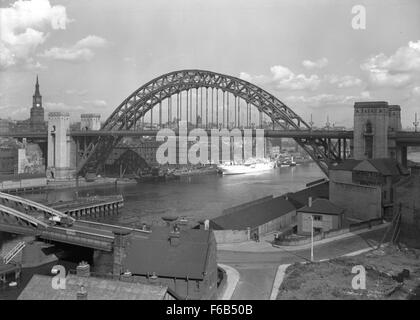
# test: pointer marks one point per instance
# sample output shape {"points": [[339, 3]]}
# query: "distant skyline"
{"points": [[90, 55]]}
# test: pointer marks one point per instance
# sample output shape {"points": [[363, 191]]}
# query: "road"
{"points": [[258, 269]]}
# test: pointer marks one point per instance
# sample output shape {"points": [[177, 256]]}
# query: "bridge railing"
{"points": [[88, 239]]}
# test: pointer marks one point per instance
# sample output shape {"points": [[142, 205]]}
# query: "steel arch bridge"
{"points": [[142, 100]]}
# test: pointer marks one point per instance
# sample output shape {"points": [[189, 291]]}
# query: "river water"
{"points": [[196, 197]]}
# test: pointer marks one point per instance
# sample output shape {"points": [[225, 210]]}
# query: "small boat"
{"points": [[13, 284], [183, 220]]}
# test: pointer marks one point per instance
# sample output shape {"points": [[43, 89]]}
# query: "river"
{"points": [[196, 197]]}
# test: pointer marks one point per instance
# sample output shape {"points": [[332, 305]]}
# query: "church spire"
{"points": [[37, 87]]}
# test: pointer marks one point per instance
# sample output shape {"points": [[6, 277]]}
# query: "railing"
{"points": [[12, 253]]}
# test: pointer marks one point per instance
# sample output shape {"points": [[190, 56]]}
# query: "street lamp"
{"points": [[312, 238]]}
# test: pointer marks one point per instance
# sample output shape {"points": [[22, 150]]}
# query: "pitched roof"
{"points": [[346, 165], [323, 206], [253, 215], [385, 166], [39, 288], [300, 198], [154, 253]]}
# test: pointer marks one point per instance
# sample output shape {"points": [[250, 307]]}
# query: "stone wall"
{"points": [[407, 193], [361, 202], [231, 236]]}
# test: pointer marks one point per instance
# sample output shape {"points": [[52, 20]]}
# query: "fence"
{"points": [[287, 240]]}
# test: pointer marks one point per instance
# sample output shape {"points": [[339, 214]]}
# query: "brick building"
{"points": [[366, 188]]}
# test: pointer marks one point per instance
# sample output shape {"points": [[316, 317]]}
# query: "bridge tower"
{"points": [[371, 121], [90, 121], [59, 146]]}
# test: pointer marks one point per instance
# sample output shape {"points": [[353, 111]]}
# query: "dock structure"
{"points": [[10, 268], [90, 207]]}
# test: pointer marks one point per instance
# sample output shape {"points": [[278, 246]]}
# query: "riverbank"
{"points": [[82, 183]]}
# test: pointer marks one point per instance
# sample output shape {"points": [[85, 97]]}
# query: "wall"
{"points": [[291, 241], [277, 224], [23, 183], [231, 236], [408, 194], [327, 223], [361, 202], [344, 176]]}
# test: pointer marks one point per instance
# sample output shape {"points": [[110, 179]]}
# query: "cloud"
{"points": [[76, 92], [328, 99], [415, 92], [96, 103], [344, 81], [80, 51], [318, 64], [397, 70], [24, 26], [283, 78]]}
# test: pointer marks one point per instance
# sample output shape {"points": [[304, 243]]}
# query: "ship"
{"points": [[288, 163], [252, 166]]}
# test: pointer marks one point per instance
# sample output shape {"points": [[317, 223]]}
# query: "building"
{"points": [[92, 288], [253, 219], [90, 121], [372, 122], [326, 216], [182, 259], [36, 122], [366, 188], [407, 193], [318, 189], [6, 126]]}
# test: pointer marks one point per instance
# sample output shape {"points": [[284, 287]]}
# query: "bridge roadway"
{"points": [[403, 137], [82, 233], [139, 133]]}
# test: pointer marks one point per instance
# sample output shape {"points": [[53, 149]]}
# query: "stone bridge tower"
{"points": [[373, 121], [59, 146]]}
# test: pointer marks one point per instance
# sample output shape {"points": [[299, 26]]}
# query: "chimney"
{"points": [[126, 276], [310, 202], [206, 224], [82, 293], [153, 278], [83, 269]]}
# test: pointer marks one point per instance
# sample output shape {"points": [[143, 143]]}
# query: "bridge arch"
{"points": [[137, 104]]}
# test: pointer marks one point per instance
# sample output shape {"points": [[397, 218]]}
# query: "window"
{"points": [[317, 218]]}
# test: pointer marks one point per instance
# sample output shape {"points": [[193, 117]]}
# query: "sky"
{"points": [[90, 55]]}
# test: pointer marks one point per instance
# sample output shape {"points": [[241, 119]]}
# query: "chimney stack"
{"points": [[83, 269], [310, 202], [82, 293]]}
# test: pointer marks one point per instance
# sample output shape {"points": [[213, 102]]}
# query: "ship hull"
{"points": [[245, 169]]}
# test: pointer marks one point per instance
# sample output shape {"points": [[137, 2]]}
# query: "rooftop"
{"points": [[385, 166], [322, 206], [253, 215], [39, 288], [300, 198], [371, 104], [154, 253]]}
